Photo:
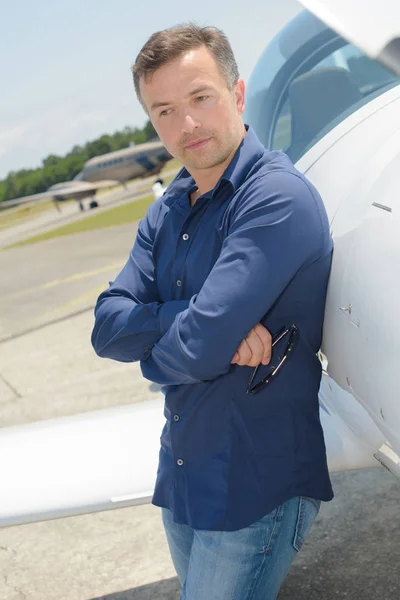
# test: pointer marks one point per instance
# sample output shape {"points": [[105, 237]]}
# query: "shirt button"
{"points": [[179, 462], [179, 283], [176, 417], [185, 236]]}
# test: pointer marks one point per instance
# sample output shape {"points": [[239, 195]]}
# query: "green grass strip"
{"points": [[133, 211]]}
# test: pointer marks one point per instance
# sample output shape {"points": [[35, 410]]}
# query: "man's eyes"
{"points": [[167, 111]]}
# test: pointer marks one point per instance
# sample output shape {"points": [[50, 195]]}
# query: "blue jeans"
{"points": [[248, 564]]}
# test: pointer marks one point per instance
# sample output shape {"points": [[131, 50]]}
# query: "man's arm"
{"points": [[275, 231], [130, 317]]}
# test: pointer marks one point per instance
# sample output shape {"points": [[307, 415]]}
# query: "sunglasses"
{"points": [[292, 332]]}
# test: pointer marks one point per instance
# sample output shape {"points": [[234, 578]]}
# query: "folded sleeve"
{"points": [[129, 316], [275, 230]]}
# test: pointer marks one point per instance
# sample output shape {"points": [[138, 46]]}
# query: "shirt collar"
{"points": [[249, 151]]}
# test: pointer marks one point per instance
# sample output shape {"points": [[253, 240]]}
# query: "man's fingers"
{"points": [[266, 340], [256, 347], [245, 354]]}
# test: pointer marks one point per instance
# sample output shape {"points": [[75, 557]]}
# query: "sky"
{"points": [[65, 64]]}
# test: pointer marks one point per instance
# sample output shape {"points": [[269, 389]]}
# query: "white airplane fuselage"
{"points": [[356, 168], [128, 163]]}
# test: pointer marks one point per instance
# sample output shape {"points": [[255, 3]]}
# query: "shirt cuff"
{"points": [[168, 312]]}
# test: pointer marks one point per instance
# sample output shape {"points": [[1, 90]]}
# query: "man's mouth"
{"points": [[197, 144]]}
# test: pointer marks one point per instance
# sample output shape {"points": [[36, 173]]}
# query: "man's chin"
{"points": [[202, 163]]}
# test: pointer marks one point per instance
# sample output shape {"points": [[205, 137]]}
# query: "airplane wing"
{"points": [[79, 464], [66, 190], [83, 186], [374, 26], [108, 458]]}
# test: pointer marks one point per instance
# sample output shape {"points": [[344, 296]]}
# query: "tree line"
{"points": [[56, 169]]}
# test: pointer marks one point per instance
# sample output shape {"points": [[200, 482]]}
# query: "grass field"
{"points": [[171, 164], [133, 211]]}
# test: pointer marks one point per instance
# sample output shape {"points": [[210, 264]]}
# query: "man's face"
{"points": [[195, 114]]}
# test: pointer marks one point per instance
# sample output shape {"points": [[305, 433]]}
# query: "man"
{"points": [[237, 247], [158, 188]]}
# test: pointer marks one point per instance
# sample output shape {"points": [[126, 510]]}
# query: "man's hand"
{"points": [[255, 349]]}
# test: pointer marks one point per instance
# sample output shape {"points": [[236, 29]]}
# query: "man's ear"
{"points": [[240, 89]]}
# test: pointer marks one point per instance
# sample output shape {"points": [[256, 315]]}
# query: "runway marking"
{"points": [[69, 279], [83, 275], [86, 298]]}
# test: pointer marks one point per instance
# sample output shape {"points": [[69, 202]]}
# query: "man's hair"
{"points": [[169, 44]]}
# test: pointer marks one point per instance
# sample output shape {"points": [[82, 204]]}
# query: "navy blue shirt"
{"points": [[256, 248]]}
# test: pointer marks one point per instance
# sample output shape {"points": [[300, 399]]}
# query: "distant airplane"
{"points": [[125, 164], [104, 171]]}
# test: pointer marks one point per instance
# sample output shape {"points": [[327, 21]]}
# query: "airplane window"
{"points": [[307, 81]]}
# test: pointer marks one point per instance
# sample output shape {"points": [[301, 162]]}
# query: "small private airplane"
{"points": [[104, 171], [326, 90]]}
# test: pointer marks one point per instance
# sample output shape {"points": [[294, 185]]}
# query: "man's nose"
{"points": [[189, 124]]}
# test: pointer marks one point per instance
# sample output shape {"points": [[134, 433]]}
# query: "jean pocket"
{"points": [[308, 511]]}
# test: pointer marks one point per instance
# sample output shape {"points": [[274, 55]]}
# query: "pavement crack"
{"points": [[7, 549], [10, 386], [40, 326], [14, 588]]}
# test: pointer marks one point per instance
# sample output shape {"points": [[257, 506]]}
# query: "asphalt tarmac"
{"points": [[48, 369]]}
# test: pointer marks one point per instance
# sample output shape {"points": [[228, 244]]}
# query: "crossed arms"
{"points": [[272, 235]]}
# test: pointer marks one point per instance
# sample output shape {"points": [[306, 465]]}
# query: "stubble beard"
{"points": [[209, 160]]}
